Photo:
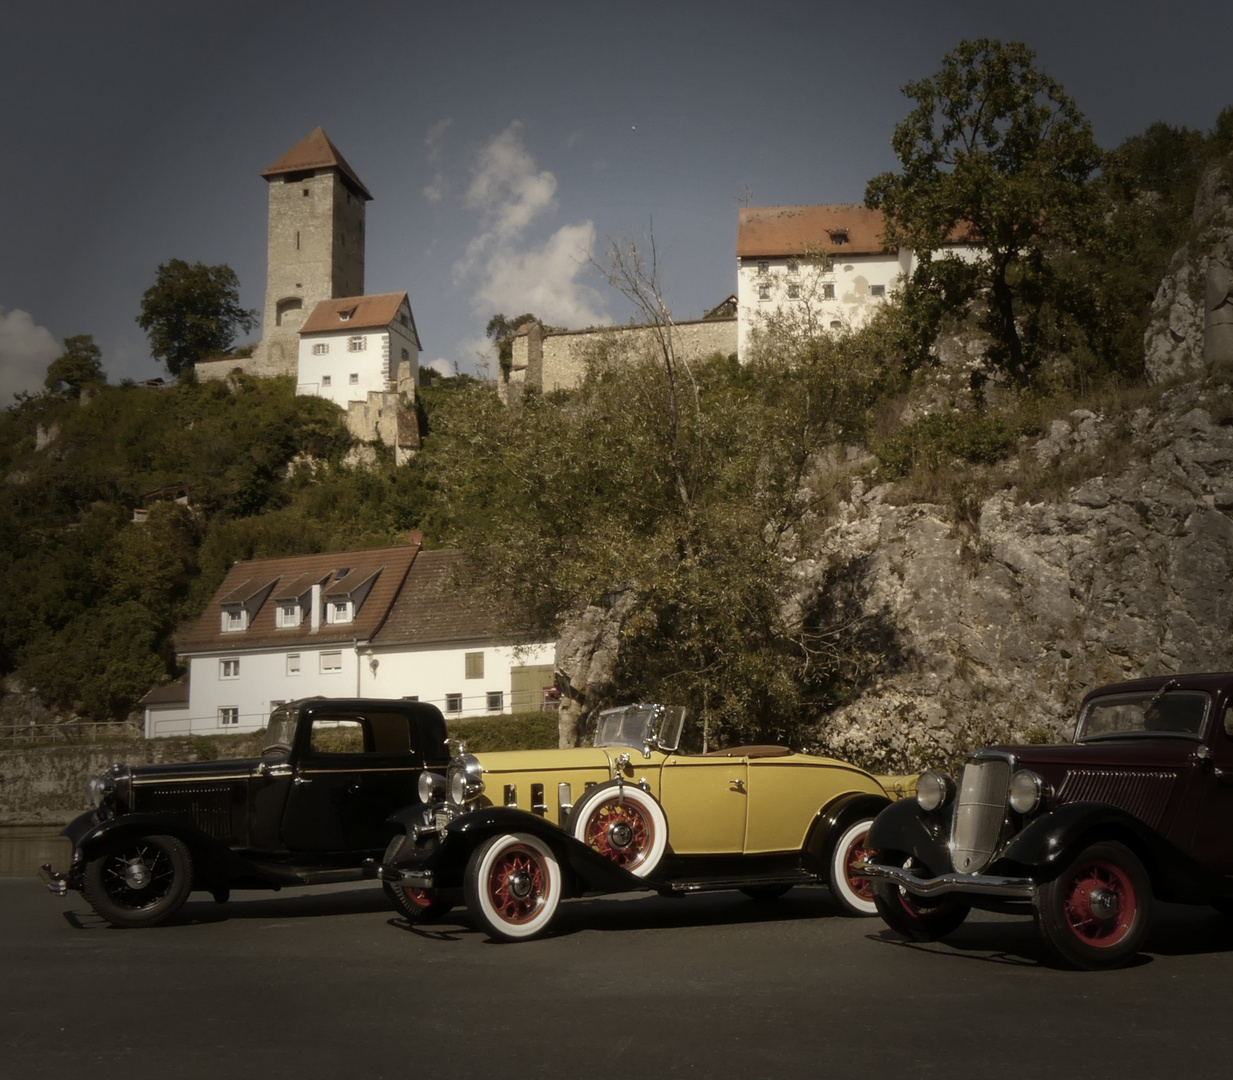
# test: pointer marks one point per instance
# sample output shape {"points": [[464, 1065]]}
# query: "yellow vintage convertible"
{"points": [[515, 833]]}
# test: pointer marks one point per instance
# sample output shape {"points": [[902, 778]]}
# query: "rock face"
{"points": [[994, 632]]}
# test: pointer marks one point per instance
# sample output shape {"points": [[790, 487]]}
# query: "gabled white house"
{"points": [[828, 265], [354, 345], [375, 623]]}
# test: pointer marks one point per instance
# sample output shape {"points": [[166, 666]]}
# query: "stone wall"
{"points": [[268, 365], [559, 361]]}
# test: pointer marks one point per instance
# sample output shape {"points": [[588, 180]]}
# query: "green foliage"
{"points": [[995, 151], [502, 330], [79, 366], [932, 441], [192, 312], [523, 731], [90, 598], [672, 496]]}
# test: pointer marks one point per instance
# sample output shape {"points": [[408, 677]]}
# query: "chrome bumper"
{"points": [[412, 879], [57, 884], [973, 884]]}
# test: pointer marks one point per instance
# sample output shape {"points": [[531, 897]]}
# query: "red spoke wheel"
{"points": [[513, 886], [915, 917], [625, 826], [1096, 912], [854, 893]]}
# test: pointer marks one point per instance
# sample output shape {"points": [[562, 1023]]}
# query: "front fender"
{"points": [[833, 817], [904, 827]]}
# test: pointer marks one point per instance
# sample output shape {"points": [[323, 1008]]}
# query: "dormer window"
{"points": [[235, 619], [839, 237], [345, 316], [287, 615], [338, 611]]}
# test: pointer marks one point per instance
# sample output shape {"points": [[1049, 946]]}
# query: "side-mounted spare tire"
{"points": [[624, 824]]}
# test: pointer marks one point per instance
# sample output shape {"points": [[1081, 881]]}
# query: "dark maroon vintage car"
{"points": [[1083, 836]]}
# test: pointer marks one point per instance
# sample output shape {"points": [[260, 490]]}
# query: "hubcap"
{"points": [[520, 885], [136, 875], [1104, 903], [620, 835]]}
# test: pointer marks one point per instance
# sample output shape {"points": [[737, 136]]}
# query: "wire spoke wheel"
{"points": [[138, 882], [854, 893], [624, 825], [513, 886]]}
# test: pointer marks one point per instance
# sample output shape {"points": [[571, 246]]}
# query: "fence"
{"points": [[78, 731]]}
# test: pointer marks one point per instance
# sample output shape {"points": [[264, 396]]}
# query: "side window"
{"points": [[1228, 720], [337, 737]]}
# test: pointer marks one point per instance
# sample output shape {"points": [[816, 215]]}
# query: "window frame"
{"points": [[229, 667]]}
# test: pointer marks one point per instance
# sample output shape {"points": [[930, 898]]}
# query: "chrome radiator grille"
{"points": [[979, 813], [208, 808]]}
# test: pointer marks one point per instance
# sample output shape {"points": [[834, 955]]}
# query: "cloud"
{"points": [[25, 351], [508, 270]]}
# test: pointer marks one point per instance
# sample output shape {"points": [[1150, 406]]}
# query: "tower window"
{"points": [[304, 191]]}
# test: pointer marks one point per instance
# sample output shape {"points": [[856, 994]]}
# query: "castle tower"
{"points": [[316, 243]]}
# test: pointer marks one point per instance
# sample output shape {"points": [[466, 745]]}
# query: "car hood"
{"points": [[202, 770], [526, 761]]}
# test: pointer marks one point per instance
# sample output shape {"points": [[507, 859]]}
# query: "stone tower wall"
{"points": [[315, 252]]}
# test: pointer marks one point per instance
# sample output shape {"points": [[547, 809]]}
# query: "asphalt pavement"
{"points": [[330, 982]]}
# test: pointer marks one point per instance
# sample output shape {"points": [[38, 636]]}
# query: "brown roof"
{"points": [[390, 564], [315, 151], [374, 312], [430, 610], [175, 693], [797, 230]]}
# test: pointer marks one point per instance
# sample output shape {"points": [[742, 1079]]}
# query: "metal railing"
{"points": [[77, 731]]}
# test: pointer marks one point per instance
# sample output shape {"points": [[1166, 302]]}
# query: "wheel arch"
{"points": [[833, 818], [210, 859]]}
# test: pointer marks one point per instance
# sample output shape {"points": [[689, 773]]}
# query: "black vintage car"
{"points": [[1083, 836], [311, 809]]}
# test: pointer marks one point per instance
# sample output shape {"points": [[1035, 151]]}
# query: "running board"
{"points": [[682, 888]]}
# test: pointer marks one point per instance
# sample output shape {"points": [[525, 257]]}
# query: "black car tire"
{"points": [[853, 894], [140, 881], [765, 892], [626, 826], [912, 916], [513, 886], [1096, 912], [418, 905]]}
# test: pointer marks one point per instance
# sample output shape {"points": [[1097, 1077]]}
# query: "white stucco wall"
{"points": [[370, 366], [434, 673], [262, 679]]}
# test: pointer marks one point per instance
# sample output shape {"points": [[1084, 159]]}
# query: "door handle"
{"points": [[738, 784], [301, 780]]}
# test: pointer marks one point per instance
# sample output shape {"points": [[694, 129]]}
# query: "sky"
{"points": [[507, 146]]}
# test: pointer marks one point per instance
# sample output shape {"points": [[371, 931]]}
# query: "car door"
{"points": [[704, 799], [354, 773], [1213, 783]]}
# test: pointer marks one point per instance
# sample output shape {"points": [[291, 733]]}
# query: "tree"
{"points": [[994, 151], [502, 330], [79, 366], [193, 311]]}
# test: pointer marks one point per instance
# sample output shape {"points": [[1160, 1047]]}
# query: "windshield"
{"points": [[1172, 712], [280, 734], [630, 726]]}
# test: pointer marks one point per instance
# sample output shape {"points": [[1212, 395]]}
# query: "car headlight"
{"points": [[98, 790], [934, 790], [1028, 792], [464, 779], [431, 787]]}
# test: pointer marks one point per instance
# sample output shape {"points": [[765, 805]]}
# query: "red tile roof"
{"points": [[430, 610], [298, 572], [315, 151], [797, 230], [374, 312]]}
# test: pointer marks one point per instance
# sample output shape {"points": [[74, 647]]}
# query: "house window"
{"points": [[402, 318], [228, 717], [836, 324], [453, 703], [331, 662], [793, 266], [877, 290], [474, 663], [406, 355], [321, 348], [357, 344], [338, 611], [354, 378], [229, 668], [287, 615], [794, 291], [496, 701], [764, 267], [764, 292], [828, 291], [325, 380], [234, 619], [293, 663]]}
